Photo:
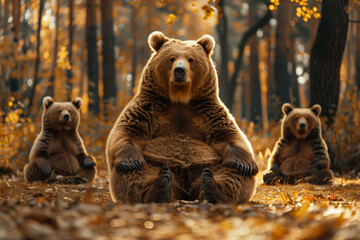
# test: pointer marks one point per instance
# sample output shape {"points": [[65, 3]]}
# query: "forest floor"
{"points": [[303, 211]]}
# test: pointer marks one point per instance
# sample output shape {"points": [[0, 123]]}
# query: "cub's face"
{"points": [[181, 67], [301, 121], [61, 115]]}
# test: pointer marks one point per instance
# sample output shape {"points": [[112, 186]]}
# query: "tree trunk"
{"points": [[37, 60], [16, 18], [238, 62], [134, 47], [282, 79], [357, 57], [6, 17], [326, 56], [50, 88], [255, 102], [92, 61], [69, 72], [293, 77], [223, 42], [108, 52]]}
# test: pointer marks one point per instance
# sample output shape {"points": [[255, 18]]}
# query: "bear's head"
{"points": [[61, 115], [300, 122], [180, 70]]}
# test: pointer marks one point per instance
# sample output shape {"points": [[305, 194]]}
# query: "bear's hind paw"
{"points": [[212, 192], [162, 185]]}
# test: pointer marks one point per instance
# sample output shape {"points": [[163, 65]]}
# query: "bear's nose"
{"points": [[66, 117], [179, 72], [302, 126]]}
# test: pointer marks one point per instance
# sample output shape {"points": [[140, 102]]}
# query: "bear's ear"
{"points": [[316, 109], [78, 102], [287, 108], [207, 42], [156, 40], [47, 101]]}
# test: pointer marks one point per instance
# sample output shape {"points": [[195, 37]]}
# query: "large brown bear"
{"points": [[59, 149], [301, 153], [176, 139]]}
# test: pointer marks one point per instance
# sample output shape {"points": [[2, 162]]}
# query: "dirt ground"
{"points": [[50, 211]]}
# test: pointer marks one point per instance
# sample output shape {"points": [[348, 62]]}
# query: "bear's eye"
{"points": [[59, 111], [191, 60], [172, 59]]}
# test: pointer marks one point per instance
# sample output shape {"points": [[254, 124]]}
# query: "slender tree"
{"points": [[326, 56], [50, 88], [69, 72], [92, 59], [357, 57], [133, 28], [255, 102], [108, 51], [223, 42], [260, 23], [282, 78], [295, 100], [37, 60], [16, 19]]}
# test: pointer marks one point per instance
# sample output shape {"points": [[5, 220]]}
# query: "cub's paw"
{"points": [[89, 162], [162, 185], [212, 192], [72, 180], [318, 180], [240, 159], [269, 178]]}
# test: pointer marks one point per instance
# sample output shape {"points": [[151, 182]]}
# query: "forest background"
{"points": [[267, 53]]}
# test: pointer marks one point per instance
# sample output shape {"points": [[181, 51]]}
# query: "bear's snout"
{"points": [[302, 126], [66, 117], [179, 73]]}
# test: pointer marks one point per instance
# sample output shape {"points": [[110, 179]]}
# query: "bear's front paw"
{"points": [[89, 162], [245, 168], [129, 165], [71, 180]]}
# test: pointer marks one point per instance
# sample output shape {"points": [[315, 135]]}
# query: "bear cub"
{"points": [[301, 153], [59, 149]]}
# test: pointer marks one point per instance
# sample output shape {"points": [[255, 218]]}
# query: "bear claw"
{"points": [[129, 166]]}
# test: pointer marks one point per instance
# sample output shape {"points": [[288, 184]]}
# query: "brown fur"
{"points": [[59, 149], [301, 153], [183, 125]]}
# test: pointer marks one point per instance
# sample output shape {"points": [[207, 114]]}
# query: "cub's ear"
{"points": [[78, 102], [207, 42], [287, 108], [156, 40], [316, 109], [47, 101]]}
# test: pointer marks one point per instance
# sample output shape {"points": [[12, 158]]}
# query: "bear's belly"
{"points": [[295, 166], [64, 164], [179, 150], [299, 149]]}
